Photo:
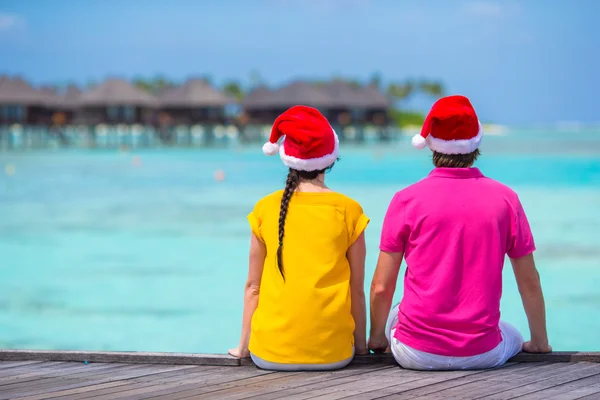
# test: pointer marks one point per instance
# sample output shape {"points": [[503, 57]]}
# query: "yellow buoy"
{"points": [[10, 169]]}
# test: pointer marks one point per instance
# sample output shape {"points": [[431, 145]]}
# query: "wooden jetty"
{"points": [[119, 375]]}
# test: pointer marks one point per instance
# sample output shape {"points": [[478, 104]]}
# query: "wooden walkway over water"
{"points": [[66, 375]]}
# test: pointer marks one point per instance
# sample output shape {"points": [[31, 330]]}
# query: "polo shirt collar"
{"points": [[456, 173]]}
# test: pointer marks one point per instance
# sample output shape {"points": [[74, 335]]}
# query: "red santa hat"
{"points": [[309, 142], [451, 127]]}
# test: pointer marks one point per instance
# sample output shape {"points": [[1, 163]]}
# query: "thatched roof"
{"points": [[18, 91], [373, 98], [338, 94], [257, 97], [194, 93], [71, 97], [344, 96], [287, 96], [302, 93], [117, 92]]}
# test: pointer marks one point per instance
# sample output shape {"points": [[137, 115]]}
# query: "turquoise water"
{"points": [[102, 250]]}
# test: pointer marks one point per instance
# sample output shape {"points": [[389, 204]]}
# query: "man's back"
{"points": [[454, 227]]}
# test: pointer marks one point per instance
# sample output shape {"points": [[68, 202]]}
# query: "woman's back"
{"points": [[304, 315]]}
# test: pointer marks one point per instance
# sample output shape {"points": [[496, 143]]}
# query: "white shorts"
{"points": [[409, 358]]}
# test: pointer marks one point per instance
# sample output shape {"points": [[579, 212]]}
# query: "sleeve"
{"points": [[520, 240], [255, 220], [394, 232], [356, 222]]}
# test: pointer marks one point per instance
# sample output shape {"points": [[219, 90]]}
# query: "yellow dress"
{"points": [[307, 318]]}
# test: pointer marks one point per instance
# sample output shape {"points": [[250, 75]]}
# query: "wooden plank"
{"points": [[429, 386], [494, 384], [12, 364], [593, 396], [120, 357], [281, 387], [566, 387], [431, 378], [355, 386], [50, 383], [62, 369], [44, 385], [143, 391], [558, 356], [97, 386], [368, 380], [151, 383], [393, 385], [226, 381], [344, 386], [565, 375], [45, 389], [226, 360], [185, 383], [56, 384], [4, 373]]}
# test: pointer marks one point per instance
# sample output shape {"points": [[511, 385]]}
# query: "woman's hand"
{"points": [[239, 353], [379, 344], [361, 350]]}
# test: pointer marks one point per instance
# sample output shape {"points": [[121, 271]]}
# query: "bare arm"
{"points": [[383, 287], [258, 252], [356, 257], [530, 288]]}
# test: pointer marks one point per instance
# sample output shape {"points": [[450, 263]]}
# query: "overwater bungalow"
{"points": [[375, 106], [70, 103], [356, 105], [195, 102], [65, 104], [340, 102], [21, 104], [116, 101], [263, 105]]}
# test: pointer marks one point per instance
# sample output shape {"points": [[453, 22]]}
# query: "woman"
{"points": [[304, 306]]}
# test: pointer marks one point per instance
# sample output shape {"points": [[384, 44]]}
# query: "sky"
{"points": [[529, 62]]}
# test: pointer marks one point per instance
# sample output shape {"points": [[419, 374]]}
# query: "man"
{"points": [[454, 229]]}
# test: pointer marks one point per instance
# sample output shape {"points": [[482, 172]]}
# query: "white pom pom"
{"points": [[270, 149], [419, 142]]}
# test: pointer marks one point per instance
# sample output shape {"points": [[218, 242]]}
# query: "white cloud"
{"points": [[490, 9], [10, 21]]}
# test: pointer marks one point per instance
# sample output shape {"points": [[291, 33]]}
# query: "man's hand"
{"points": [[379, 344], [533, 347]]}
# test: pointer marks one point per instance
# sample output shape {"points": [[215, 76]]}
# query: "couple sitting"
{"points": [[304, 305]]}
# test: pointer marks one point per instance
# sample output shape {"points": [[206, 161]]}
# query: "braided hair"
{"points": [[293, 179], [291, 184]]}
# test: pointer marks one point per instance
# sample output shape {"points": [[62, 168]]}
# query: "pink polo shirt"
{"points": [[454, 227]]}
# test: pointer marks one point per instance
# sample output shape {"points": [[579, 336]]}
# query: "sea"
{"points": [[146, 250]]}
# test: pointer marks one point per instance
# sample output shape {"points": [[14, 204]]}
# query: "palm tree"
{"points": [[375, 80], [432, 88], [233, 89], [400, 91]]}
